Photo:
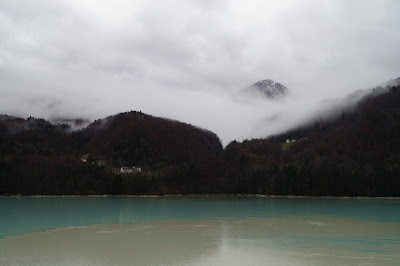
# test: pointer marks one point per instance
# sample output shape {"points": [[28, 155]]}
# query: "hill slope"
{"points": [[134, 138], [353, 153], [356, 153], [37, 157]]}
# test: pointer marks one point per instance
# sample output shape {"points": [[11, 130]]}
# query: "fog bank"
{"points": [[184, 59]]}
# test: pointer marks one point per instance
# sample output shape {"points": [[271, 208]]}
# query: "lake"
{"points": [[199, 230]]}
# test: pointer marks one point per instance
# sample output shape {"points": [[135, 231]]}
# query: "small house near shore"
{"points": [[130, 170]]}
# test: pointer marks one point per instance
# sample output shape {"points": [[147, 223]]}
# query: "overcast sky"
{"points": [[183, 59]]}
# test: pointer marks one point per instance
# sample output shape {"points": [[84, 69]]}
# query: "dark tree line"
{"points": [[354, 153]]}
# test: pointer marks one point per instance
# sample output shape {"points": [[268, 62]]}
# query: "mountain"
{"points": [[37, 157], [135, 138], [32, 135], [392, 82], [266, 88], [354, 152]]}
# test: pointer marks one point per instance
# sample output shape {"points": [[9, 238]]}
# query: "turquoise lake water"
{"points": [[335, 229], [21, 215]]}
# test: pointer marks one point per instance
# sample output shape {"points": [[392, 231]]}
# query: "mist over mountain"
{"points": [[265, 88], [231, 118], [352, 152], [87, 60], [295, 112], [67, 66], [74, 123]]}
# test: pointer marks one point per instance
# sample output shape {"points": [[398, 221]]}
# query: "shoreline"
{"points": [[196, 195]]}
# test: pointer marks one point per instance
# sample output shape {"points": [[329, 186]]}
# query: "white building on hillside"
{"points": [[130, 170]]}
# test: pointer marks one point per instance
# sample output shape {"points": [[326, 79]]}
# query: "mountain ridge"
{"points": [[354, 153], [267, 88]]}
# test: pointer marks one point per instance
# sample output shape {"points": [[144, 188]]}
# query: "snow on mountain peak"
{"points": [[268, 88]]}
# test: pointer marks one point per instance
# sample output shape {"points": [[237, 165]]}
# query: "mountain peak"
{"points": [[267, 88]]}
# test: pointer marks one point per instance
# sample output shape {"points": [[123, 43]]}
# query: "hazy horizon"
{"points": [[184, 60]]}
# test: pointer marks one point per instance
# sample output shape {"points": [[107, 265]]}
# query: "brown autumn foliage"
{"points": [[356, 153]]}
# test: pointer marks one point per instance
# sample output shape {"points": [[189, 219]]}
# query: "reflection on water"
{"points": [[199, 231]]}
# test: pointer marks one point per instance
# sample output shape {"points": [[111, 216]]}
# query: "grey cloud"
{"points": [[184, 59]]}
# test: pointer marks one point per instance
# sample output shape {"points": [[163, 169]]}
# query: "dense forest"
{"points": [[353, 153]]}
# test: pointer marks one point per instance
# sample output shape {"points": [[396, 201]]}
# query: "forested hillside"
{"points": [[354, 153], [37, 157]]}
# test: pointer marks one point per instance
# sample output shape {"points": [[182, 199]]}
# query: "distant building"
{"points": [[85, 158], [287, 140], [130, 170], [127, 170]]}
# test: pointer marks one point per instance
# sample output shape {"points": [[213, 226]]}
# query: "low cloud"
{"points": [[184, 59]]}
